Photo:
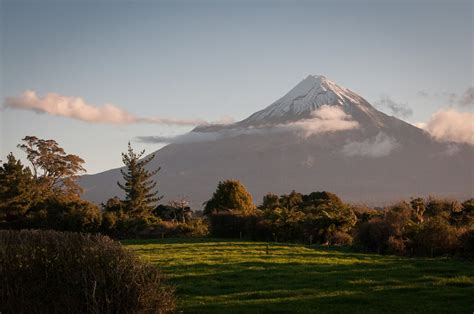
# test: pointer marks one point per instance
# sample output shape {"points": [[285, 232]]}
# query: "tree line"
{"points": [[46, 195], [419, 227]]}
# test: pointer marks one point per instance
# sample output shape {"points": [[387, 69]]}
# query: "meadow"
{"points": [[229, 276]]}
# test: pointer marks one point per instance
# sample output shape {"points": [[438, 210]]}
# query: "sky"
{"points": [[217, 60]]}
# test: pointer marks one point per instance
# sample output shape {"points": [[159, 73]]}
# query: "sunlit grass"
{"points": [[219, 276]]}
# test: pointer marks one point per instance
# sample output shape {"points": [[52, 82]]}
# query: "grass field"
{"points": [[219, 276]]}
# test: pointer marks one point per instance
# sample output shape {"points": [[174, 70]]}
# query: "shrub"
{"points": [[467, 243], [234, 225], [435, 237], [194, 228], [63, 272], [373, 236], [396, 245], [340, 238], [65, 214]]}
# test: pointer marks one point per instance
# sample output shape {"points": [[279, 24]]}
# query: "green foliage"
{"points": [[55, 272], [236, 225], [114, 205], [219, 276], [467, 240], [230, 195], [292, 200], [16, 190], [467, 214], [317, 199], [441, 208], [432, 228], [71, 214], [270, 201], [176, 211], [317, 216], [435, 237], [53, 169], [140, 197], [286, 224]]}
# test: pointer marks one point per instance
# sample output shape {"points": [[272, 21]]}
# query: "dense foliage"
{"points": [[320, 217], [422, 227], [56, 272]]}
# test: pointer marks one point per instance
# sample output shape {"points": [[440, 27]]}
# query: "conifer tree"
{"points": [[16, 185], [139, 187]]}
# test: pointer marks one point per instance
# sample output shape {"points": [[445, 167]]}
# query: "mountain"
{"points": [[319, 136]]}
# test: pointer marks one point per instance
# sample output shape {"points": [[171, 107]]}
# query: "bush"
{"points": [[373, 236], [467, 243], [435, 237], [234, 225], [340, 238], [194, 228], [63, 272]]}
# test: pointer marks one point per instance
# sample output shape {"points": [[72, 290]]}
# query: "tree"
{"points": [[270, 202], [16, 189], [139, 186], [294, 199], [418, 206], [53, 169], [181, 210], [230, 195], [316, 199]]}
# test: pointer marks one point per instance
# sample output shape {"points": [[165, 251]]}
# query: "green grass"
{"points": [[219, 276]]}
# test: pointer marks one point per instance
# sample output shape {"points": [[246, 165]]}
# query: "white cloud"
{"points": [[450, 125], [197, 136], [325, 119], [378, 146], [77, 108]]}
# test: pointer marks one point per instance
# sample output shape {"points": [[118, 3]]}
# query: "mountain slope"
{"points": [[319, 136]]}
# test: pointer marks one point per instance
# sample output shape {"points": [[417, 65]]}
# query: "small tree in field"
{"points": [[139, 187]]}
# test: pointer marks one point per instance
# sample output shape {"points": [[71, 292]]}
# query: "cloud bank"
{"points": [[450, 125], [76, 108], [324, 119], [379, 146]]}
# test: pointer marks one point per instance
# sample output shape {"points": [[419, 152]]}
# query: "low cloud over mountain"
{"points": [[450, 125]]}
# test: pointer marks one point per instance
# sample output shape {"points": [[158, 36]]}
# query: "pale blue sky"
{"points": [[211, 59]]}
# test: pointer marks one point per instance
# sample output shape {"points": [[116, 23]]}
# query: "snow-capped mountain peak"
{"points": [[307, 96]]}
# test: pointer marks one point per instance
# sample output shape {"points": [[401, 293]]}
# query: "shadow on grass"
{"points": [[293, 287], [238, 277]]}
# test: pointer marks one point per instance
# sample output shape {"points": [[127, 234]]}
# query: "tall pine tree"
{"points": [[140, 194], [16, 189]]}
